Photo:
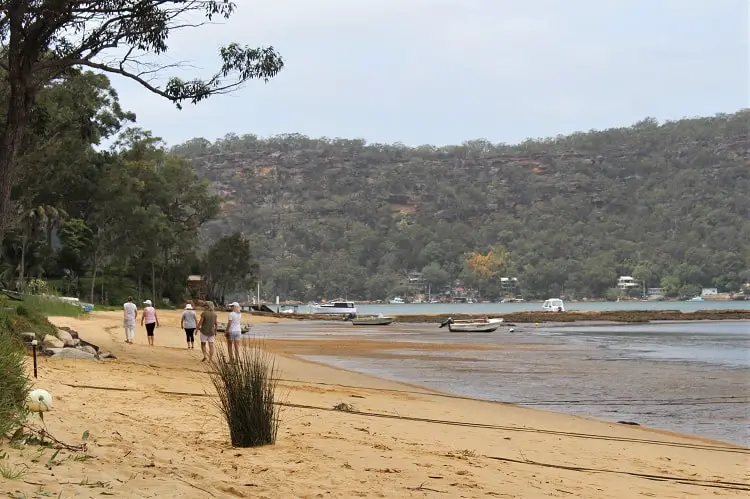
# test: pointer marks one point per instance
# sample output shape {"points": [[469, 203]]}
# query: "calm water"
{"points": [[686, 377], [500, 308]]}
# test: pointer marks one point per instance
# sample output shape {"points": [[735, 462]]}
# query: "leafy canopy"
{"points": [[44, 39]]}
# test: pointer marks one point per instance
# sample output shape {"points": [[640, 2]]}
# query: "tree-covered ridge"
{"points": [[666, 203]]}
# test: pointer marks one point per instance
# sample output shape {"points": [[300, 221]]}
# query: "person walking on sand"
{"points": [[151, 320], [207, 327], [188, 322], [130, 312], [234, 331]]}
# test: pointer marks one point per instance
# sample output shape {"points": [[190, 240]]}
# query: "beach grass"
{"points": [[247, 389], [51, 307], [14, 383]]}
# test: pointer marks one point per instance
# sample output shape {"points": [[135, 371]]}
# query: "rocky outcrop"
{"points": [[70, 353], [50, 341], [66, 345], [67, 338]]}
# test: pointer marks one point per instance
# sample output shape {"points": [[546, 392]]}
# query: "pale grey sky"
{"points": [[445, 71]]}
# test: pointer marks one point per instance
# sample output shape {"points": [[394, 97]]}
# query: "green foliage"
{"points": [[229, 266], [52, 41], [247, 389], [574, 212], [128, 215], [14, 384]]}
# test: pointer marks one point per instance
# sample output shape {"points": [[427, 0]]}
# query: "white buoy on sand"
{"points": [[39, 400]]}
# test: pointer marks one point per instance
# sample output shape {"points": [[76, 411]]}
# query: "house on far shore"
{"points": [[655, 292], [709, 292], [626, 282]]}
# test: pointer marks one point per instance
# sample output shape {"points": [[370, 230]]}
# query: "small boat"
{"points": [[334, 308], [397, 301], [696, 298], [221, 327], [554, 305], [375, 320], [472, 326]]}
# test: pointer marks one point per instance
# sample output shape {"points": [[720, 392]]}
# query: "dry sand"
{"points": [[155, 432]]}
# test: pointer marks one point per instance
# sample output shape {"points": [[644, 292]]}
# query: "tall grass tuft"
{"points": [[49, 306], [14, 383], [247, 389]]}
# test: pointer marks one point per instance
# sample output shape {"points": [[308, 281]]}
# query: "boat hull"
{"points": [[323, 310], [372, 322], [473, 328]]}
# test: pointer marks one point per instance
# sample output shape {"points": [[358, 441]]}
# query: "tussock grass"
{"points": [[247, 389], [51, 307], [14, 384]]}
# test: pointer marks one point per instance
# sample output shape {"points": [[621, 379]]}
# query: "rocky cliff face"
{"points": [[655, 196]]}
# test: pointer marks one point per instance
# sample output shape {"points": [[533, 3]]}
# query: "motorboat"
{"points": [[334, 308], [397, 301], [472, 326], [554, 305], [221, 327], [375, 320]]}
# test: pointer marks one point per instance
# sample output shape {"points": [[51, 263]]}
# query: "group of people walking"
{"points": [[206, 326]]}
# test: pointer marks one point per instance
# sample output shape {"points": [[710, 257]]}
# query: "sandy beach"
{"points": [[155, 432]]}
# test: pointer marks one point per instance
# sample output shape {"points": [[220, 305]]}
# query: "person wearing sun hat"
{"points": [[189, 322], [234, 331], [150, 319]]}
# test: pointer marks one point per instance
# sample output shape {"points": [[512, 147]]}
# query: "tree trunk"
{"points": [[22, 270], [20, 56], [140, 279], [153, 281], [93, 280]]}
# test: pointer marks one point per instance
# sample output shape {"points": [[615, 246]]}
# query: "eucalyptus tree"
{"points": [[43, 40]]}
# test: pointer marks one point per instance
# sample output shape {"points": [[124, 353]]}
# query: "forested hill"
{"points": [[332, 217]]}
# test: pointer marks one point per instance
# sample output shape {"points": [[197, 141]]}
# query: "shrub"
{"points": [[14, 384], [37, 287], [247, 389]]}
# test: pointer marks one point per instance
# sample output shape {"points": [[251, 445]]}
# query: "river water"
{"points": [[689, 377], [504, 308]]}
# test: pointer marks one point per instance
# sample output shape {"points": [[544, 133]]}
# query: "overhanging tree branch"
{"points": [[40, 40]]}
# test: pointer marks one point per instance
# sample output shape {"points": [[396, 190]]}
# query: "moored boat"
{"points": [[373, 321], [472, 326], [554, 305], [334, 308]]}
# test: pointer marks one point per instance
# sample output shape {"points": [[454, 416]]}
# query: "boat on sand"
{"points": [[375, 320], [486, 325]]}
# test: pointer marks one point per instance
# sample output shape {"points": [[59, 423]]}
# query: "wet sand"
{"points": [[156, 432]]}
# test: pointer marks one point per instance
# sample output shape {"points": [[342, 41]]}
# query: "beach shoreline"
{"points": [[399, 440]]}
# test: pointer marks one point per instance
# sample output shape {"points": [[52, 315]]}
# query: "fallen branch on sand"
{"points": [[423, 488], [40, 435]]}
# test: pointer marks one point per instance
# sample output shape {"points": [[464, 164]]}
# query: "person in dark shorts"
{"points": [[151, 320], [189, 322]]}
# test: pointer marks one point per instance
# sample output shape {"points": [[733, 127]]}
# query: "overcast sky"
{"points": [[445, 71]]}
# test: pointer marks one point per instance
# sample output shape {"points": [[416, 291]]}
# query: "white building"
{"points": [[709, 292], [626, 282]]}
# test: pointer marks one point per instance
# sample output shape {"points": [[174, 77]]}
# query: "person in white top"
{"points": [[234, 331], [130, 315]]}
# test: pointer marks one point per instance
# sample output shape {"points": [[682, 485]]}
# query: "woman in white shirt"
{"points": [[234, 332]]}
